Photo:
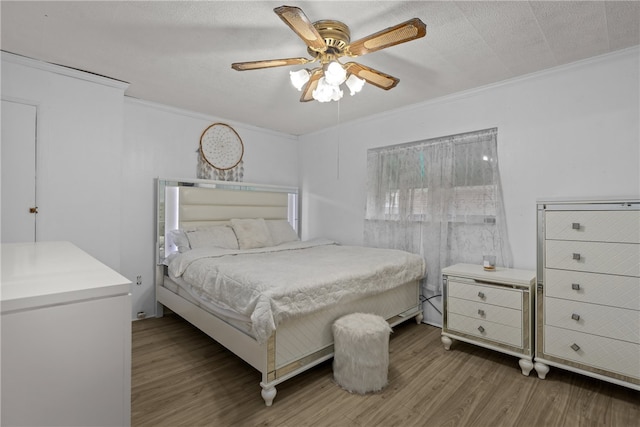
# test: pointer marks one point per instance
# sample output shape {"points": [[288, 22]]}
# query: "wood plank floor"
{"points": [[181, 377]]}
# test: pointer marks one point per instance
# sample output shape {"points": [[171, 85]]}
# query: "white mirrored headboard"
{"points": [[188, 203]]}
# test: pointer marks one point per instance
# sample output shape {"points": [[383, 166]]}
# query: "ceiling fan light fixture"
{"points": [[326, 92], [299, 78], [355, 84], [335, 74], [329, 40]]}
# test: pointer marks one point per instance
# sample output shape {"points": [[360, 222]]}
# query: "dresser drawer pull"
{"points": [[576, 257], [481, 295], [575, 286], [575, 226], [575, 347], [481, 313], [575, 316], [481, 329]]}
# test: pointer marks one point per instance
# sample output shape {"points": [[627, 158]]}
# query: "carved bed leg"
{"points": [[446, 341], [526, 366], [419, 317], [268, 394], [541, 369]]}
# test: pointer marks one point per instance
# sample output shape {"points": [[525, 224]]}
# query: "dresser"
{"points": [[65, 338], [492, 309], [588, 289]]}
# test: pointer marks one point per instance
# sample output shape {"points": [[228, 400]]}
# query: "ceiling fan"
{"points": [[329, 40]]}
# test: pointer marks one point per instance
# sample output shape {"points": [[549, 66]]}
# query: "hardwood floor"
{"points": [[181, 377]]}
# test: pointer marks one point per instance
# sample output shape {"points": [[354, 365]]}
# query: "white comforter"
{"points": [[272, 284]]}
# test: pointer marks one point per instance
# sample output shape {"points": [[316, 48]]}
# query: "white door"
{"points": [[18, 177]]}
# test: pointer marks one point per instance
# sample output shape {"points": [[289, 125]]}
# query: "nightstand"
{"points": [[492, 309]]}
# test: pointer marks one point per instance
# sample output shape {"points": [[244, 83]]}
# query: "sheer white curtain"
{"points": [[440, 198]]}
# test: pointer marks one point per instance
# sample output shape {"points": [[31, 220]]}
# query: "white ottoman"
{"points": [[361, 352]]}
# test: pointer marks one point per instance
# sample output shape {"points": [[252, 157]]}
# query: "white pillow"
{"points": [[220, 236], [179, 238], [281, 231], [251, 233]]}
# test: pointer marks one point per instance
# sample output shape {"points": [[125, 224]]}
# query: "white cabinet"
{"points": [[492, 309], [66, 338], [588, 294]]}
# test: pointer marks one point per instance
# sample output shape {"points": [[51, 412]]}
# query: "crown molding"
{"points": [[207, 117], [65, 71], [469, 93]]}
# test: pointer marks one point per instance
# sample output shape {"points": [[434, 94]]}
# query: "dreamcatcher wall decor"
{"points": [[220, 154]]}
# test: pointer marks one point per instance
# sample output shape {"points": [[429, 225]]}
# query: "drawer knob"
{"points": [[575, 316], [575, 347], [481, 313], [576, 257], [481, 329], [575, 226], [575, 286], [481, 295]]}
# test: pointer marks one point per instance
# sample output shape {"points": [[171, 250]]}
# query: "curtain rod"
{"points": [[437, 140]]}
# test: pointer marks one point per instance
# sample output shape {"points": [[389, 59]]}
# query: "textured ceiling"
{"points": [[180, 53]]}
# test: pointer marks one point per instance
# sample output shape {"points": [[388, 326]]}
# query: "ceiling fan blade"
{"points": [[375, 77], [312, 84], [269, 63], [295, 18], [401, 33]]}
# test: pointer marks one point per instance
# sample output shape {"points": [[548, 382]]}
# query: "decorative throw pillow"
{"points": [[251, 233], [281, 231], [220, 236], [179, 238]]}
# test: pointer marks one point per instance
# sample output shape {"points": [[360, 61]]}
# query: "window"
{"points": [[440, 198]]}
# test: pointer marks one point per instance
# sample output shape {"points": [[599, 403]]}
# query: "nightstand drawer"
{"points": [[594, 226], [488, 330], [488, 312], [617, 323], [612, 355], [596, 257], [611, 290], [500, 296]]}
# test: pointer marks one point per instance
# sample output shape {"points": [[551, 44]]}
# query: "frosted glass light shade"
{"points": [[335, 74], [337, 93], [326, 92], [299, 78], [354, 84], [328, 87]]}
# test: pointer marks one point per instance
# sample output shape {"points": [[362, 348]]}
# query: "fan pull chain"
{"points": [[339, 140]]}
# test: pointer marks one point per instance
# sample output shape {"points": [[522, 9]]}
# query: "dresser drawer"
{"points": [[617, 323], [495, 295], [616, 291], [609, 354], [594, 226], [482, 311], [488, 330], [595, 257]]}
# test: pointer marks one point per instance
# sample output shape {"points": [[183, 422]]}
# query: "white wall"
{"points": [[567, 132], [160, 141], [100, 153], [79, 151]]}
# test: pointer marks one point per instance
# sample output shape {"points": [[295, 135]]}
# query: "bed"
{"points": [[229, 261]]}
